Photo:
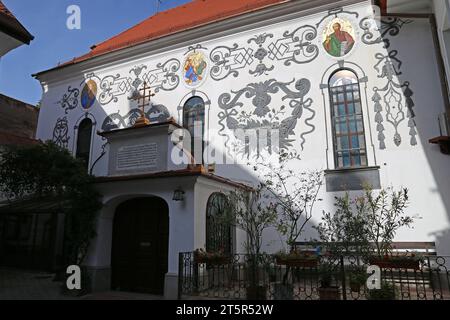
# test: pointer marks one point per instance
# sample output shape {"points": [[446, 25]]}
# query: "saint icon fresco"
{"points": [[194, 68], [339, 38], [88, 95]]}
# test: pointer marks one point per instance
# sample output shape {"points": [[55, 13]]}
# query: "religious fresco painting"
{"points": [[339, 37], [194, 69], [89, 94]]}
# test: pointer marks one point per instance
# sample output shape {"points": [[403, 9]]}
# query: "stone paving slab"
{"points": [[29, 285], [18, 284]]}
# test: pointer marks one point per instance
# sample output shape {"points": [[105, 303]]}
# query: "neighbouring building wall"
{"points": [[18, 118], [277, 75]]}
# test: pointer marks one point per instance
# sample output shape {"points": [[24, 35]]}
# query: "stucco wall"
{"points": [[411, 162]]}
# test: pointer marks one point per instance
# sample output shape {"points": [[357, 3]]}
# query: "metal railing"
{"points": [[242, 276]]}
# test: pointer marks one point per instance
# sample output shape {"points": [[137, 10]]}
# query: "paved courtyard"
{"points": [[34, 285], [29, 285]]}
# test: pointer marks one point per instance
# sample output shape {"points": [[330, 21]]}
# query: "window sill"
{"points": [[352, 179]]}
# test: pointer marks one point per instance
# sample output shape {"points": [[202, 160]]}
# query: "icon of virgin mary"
{"points": [[88, 95]]}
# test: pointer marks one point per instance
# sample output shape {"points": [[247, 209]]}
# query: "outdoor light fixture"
{"points": [[178, 194]]}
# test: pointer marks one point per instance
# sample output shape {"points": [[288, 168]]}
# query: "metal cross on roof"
{"points": [[144, 99]]}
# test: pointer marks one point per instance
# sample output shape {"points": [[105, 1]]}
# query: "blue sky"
{"points": [[53, 43]]}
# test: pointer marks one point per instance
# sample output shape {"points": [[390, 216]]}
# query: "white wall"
{"points": [[180, 216], [421, 167], [441, 9]]}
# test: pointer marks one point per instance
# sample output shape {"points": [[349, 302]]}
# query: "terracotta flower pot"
{"points": [[330, 293], [404, 263], [300, 262], [256, 293]]}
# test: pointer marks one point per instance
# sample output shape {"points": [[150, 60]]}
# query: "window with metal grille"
{"points": [[194, 112], [347, 120], [84, 141], [218, 233]]}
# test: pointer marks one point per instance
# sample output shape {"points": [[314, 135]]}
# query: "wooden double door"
{"points": [[140, 246]]}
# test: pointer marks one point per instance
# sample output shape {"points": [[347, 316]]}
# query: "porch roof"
{"points": [[195, 171]]}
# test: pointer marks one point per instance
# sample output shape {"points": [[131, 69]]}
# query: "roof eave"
{"points": [[272, 12], [15, 29]]}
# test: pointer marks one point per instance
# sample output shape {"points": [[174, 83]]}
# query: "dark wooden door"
{"points": [[140, 246]]}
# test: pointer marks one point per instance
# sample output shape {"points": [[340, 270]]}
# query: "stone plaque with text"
{"points": [[137, 157]]}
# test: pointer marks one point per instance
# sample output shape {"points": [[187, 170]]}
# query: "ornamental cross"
{"points": [[144, 98]]}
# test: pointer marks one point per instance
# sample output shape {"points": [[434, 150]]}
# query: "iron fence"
{"points": [[326, 278]]}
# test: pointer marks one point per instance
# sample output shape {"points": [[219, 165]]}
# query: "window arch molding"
{"points": [[207, 107], [325, 88], [206, 100], [76, 129], [218, 236]]}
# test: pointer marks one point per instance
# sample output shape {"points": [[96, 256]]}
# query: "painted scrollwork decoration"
{"points": [[336, 12], [61, 133], [263, 96], [295, 46], [157, 113], [110, 89], [69, 100], [393, 103], [227, 61], [163, 77], [260, 54], [377, 33]]}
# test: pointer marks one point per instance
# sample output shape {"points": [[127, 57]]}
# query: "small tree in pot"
{"points": [[252, 212], [294, 195], [385, 215]]}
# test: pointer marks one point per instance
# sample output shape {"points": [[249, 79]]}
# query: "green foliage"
{"points": [[45, 170], [294, 195], [387, 292], [344, 231], [252, 213], [385, 215], [327, 274], [357, 276], [373, 218]]}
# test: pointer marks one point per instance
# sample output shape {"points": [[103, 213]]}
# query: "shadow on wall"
{"points": [[420, 86]]}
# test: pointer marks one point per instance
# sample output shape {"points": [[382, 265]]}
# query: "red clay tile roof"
{"points": [[197, 171], [188, 16], [11, 26], [4, 10]]}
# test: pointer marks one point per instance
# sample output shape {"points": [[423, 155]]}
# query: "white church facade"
{"points": [[356, 97]]}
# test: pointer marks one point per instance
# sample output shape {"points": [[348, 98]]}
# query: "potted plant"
{"points": [[357, 279], [248, 210], [326, 289], [397, 262], [293, 195], [343, 232], [296, 259], [387, 292], [385, 215], [211, 258]]}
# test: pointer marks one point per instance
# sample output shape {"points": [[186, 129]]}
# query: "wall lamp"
{"points": [[178, 194]]}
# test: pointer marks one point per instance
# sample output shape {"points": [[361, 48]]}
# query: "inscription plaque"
{"points": [[137, 157]]}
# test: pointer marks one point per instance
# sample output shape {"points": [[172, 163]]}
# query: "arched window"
{"points": [[84, 141], [218, 233], [194, 113], [347, 120]]}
